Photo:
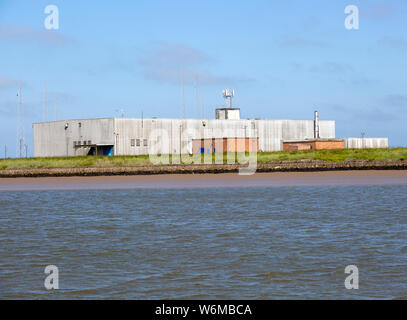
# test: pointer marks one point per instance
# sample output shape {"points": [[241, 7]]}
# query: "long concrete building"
{"points": [[125, 136]]}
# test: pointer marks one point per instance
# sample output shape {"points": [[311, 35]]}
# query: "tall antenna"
{"points": [[56, 107], [20, 138], [229, 94], [196, 95], [45, 102], [203, 107], [121, 111], [183, 95]]}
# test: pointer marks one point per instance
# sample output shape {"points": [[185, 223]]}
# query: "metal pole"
{"points": [[21, 148], [316, 125], [20, 123], [56, 108], [183, 95], [45, 102], [196, 96]]}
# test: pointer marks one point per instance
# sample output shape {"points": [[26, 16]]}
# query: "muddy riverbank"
{"points": [[221, 180], [284, 166]]}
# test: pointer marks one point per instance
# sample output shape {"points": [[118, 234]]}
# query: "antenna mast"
{"points": [[229, 94], [20, 143], [45, 102], [203, 107], [196, 96], [56, 107], [183, 95]]}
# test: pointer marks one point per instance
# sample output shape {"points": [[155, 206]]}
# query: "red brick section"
{"points": [[296, 146], [314, 145], [227, 144], [329, 145]]}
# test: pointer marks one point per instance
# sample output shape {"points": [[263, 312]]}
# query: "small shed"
{"points": [[313, 144]]}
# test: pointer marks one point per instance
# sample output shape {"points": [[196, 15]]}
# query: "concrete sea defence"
{"points": [[276, 166]]}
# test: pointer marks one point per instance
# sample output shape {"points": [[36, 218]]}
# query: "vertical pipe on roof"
{"points": [[316, 125]]}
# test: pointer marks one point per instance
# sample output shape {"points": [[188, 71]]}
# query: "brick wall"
{"points": [[314, 145]]}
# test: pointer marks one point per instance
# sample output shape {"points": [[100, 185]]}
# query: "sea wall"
{"points": [[284, 166]]}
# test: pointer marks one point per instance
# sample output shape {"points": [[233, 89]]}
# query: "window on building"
{"points": [[132, 142], [138, 142], [145, 142]]}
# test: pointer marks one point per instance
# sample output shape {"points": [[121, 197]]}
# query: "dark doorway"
{"points": [[101, 151]]}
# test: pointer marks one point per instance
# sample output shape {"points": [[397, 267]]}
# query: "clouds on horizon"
{"points": [[331, 67], [7, 82], [392, 42], [395, 101], [379, 11], [385, 108], [29, 34], [174, 63], [294, 41]]}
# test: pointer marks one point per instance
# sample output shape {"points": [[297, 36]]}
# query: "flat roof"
{"points": [[315, 140], [199, 119]]}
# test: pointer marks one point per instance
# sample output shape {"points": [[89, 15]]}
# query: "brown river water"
{"points": [[224, 236]]}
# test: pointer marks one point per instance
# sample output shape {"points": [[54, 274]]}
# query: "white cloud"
{"points": [[27, 34], [298, 42], [169, 63], [391, 41], [7, 82]]}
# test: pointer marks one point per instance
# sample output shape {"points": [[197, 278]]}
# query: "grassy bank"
{"points": [[394, 154]]}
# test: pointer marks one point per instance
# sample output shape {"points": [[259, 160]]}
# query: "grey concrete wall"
{"points": [[52, 139], [362, 143], [175, 135], [171, 135]]}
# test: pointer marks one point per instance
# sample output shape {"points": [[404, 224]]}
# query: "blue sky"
{"points": [[283, 58]]}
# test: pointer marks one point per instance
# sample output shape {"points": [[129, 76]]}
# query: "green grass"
{"points": [[336, 155], [131, 161]]}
